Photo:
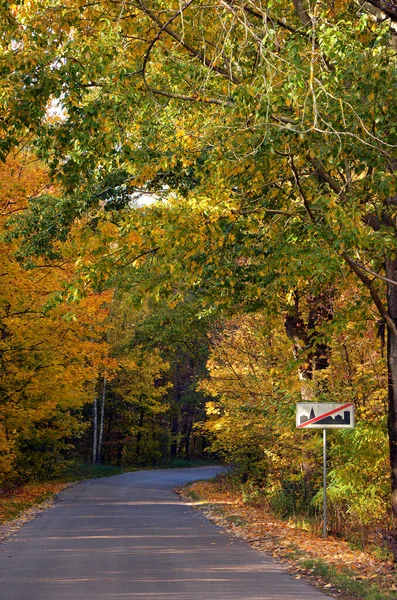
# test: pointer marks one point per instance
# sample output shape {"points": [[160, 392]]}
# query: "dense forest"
{"points": [[198, 230]]}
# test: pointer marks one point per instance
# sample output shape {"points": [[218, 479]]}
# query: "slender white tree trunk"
{"points": [[101, 423]]}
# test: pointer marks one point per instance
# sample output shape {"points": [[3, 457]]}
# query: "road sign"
{"points": [[324, 415]]}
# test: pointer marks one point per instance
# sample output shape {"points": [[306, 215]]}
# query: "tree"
{"points": [[250, 420], [50, 358], [289, 114], [153, 403]]}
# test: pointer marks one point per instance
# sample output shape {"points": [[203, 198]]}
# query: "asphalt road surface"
{"points": [[129, 537]]}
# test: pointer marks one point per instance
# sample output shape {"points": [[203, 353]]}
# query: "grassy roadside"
{"points": [[21, 503], [330, 565]]}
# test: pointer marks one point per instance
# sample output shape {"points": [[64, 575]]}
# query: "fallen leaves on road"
{"points": [[22, 504]]}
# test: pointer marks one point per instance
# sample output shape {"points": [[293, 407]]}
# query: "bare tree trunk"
{"points": [[101, 423], [95, 432]]}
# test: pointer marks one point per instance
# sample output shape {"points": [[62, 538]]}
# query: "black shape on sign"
{"points": [[329, 420]]}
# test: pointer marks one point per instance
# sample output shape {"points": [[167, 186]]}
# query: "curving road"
{"points": [[130, 537]]}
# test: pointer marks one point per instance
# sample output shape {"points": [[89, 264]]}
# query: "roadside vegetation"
{"points": [[16, 500], [339, 568]]}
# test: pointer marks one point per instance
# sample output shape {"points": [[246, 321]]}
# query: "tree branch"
{"points": [[301, 191], [197, 98], [194, 51], [157, 37], [358, 269], [325, 176], [135, 258], [372, 221], [302, 12], [260, 15], [374, 273], [388, 8]]}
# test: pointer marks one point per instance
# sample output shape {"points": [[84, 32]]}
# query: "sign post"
{"points": [[324, 415], [325, 482]]}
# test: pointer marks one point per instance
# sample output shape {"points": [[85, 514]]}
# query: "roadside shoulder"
{"points": [[331, 565]]}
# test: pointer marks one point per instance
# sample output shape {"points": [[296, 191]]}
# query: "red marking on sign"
{"points": [[327, 414]]}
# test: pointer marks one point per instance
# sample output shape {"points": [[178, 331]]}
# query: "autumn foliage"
{"points": [[198, 219], [50, 357]]}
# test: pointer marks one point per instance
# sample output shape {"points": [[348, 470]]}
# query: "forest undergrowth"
{"points": [[19, 503]]}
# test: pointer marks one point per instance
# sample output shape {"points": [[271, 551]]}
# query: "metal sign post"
{"points": [[325, 481], [324, 415]]}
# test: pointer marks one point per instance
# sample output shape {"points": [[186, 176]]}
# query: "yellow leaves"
{"points": [[134, 238], [138, 380], [212, 409], [21, 177], [13, 8], [108, 229], [185, 139], [50, 358], [290, 298], [146, 173], [173, 303], [158, 231], [83, 261], [236, 170]]}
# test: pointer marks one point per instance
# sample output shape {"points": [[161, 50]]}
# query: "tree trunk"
{"points": [[119, 456], [308, 388], [315, 354], [174, 437], [101, 423], [391, 272], [188, 436], [95, 432], [139, 435]]}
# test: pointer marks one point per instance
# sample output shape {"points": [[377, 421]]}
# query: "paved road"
{"points": [[130, 537]]}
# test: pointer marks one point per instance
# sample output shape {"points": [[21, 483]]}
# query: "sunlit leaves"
{"points": [[50, 359]]}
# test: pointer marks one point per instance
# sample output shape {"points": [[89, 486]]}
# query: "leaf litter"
{"points": [[303, 552]]}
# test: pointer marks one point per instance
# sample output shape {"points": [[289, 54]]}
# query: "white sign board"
{"points": [[324, 415]]}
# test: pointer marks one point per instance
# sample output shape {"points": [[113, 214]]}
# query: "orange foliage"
{"points": [[49, 359]]}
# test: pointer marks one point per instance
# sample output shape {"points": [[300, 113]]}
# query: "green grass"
{"points": [[182, 463], [346, 581], [76, 471]]}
